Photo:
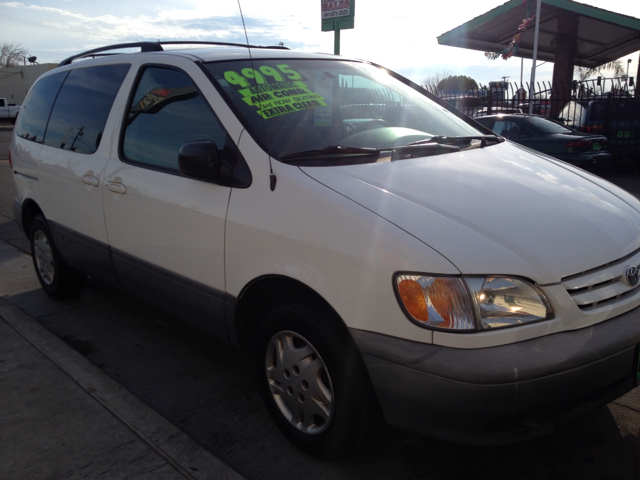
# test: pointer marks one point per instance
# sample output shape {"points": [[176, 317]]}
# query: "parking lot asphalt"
{"points": [[61, 416]]}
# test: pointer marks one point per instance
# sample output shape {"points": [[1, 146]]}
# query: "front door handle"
{"points": [[116, 188], [90, 180]]}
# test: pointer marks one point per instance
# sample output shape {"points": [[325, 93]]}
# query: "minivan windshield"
{"points": [[303, 106]]}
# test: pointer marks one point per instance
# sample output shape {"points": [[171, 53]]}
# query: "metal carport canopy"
{"points": [[603, 36]]}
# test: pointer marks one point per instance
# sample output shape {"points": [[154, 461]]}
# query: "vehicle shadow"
{"points": [[206, 388]]}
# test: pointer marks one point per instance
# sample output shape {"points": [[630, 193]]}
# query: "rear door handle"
{"points": [[116, 188]]}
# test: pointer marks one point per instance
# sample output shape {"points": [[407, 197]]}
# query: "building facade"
{"points": [[15, 82]]}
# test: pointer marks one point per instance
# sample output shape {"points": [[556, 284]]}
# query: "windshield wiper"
{"points": [[445, 140], [340, 155], [344, 154]]}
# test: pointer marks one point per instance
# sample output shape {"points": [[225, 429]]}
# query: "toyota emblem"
{"points": [[631, 276]]}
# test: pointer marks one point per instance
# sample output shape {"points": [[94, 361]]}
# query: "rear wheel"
{"points": [[313, 379], [57, 279]]}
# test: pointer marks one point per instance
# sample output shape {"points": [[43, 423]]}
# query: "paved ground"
{"points": [[142, 396]]}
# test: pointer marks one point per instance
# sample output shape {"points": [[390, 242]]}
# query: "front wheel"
{"points": [[57, 278], [313, 380]]}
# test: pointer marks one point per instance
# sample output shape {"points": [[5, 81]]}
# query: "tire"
{"points": [[313, 380], [57, 279]]}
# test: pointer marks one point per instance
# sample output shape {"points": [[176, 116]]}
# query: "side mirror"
{"points": [[157, 99], [200, 160]]}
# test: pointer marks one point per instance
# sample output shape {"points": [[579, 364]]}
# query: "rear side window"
{"points": [[507, 128], [82, 107], [34, 114], [167, 111], [487, 122]]}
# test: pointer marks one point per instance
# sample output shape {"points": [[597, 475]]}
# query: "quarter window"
{"points": [[34, 113], [167, 111]]}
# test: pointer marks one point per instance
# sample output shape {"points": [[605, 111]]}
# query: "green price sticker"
{"points": [[278, 98]]}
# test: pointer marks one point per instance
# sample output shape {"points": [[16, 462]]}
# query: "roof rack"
{"points": [[154, 47]]}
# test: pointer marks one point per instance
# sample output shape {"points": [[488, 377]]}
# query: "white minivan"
{"points": [[377, 253]]}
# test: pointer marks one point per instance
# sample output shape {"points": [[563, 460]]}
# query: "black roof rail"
{"points": [[144, 47], [155, 47], [226, 44]]}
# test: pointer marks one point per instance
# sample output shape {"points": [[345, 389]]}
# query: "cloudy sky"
{"points": [[399, 34]]}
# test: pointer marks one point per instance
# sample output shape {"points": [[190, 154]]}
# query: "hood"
{"points": [[498, 210]]}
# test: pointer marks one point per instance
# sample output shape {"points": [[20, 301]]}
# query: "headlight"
{"points": [[470, 303]]}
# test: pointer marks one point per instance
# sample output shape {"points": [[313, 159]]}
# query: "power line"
{"points": [[32, 22]]}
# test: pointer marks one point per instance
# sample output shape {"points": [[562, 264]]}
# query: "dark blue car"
{"points": [[548, 136]]}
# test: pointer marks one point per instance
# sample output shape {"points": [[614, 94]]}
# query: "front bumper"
{"points": [[501, 394]]}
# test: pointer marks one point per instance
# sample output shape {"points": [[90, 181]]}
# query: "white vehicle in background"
{"points": [[370, 248], [9, 110]]}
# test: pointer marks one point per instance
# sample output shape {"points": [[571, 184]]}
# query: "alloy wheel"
{"points": [[44, 257], [299, 382]]}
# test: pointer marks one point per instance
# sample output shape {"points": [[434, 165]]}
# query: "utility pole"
{"points": [[535, 56], [637, 92]]}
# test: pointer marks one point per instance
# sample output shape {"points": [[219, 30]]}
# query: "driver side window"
{"points": [[167, 111]]}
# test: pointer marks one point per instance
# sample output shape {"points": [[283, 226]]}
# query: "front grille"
{"points": [[603, 285]]}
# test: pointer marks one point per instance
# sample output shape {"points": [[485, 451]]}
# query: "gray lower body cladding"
{"points": [[501, 394]]}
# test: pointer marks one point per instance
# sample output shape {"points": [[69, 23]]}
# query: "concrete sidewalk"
{"points": [[62, 417]]}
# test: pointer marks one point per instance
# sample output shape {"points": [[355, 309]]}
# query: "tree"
{"points": [[432, 81], [456, 83], [11, 54], [582, 73]]}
